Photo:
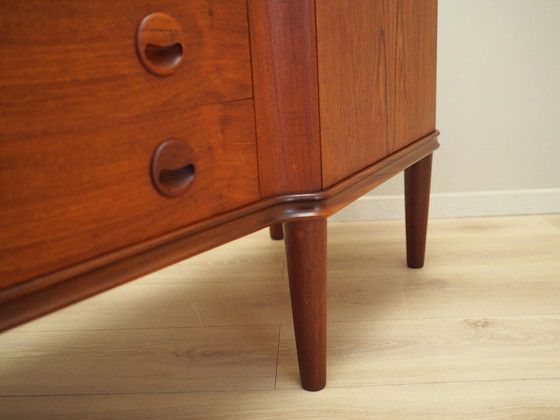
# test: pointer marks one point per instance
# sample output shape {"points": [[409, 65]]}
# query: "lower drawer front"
{"points": [[73, 195]]}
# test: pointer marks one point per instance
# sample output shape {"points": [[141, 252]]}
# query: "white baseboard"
{"points": [[468, 204]]}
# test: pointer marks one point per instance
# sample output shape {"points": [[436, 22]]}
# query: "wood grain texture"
{"points": [[174, 360], [434, 350], [80, 67], [191, 303], [482, 247], [414, 98], [354, 90], [67, 199], [81, 119], [247, 259], [376, 68], [283, 50], [186, 294]]}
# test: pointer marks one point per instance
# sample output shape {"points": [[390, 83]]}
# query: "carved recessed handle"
{"points": [[173, 168], [160, 44]]}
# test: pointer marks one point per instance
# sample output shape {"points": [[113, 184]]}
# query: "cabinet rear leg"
{"points": [[417, 199], [276, 232]]}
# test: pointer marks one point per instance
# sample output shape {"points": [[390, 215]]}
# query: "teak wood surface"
{"points": [[287, 111], [377, 75], [284, 56], [80, 119]]}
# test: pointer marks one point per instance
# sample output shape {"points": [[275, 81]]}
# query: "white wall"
{"points": [[498, 111]]}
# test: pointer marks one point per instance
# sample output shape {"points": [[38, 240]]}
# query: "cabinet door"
{"points": [[376, 70], [81, 119]]}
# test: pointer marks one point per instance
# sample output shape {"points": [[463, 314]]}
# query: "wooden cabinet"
{"points": [[279, 112]]}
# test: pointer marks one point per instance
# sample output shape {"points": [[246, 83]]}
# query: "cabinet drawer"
{"points": [[71, 196], [81, 118], [75, 62]]}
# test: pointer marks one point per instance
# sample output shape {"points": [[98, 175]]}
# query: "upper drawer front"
{"points": [[80, 120]]}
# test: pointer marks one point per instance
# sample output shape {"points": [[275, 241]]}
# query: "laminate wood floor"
{"points": [[475, 334]]}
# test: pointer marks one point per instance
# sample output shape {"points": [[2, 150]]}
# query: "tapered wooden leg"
{"points": [[417, 199], [276, 231], [306, 251]]}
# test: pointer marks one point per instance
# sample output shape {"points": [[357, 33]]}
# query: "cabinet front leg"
{"points": [[306, 252], [417, 199]]}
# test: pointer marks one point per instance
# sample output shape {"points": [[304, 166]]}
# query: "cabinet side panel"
{"points": [[415, 66], [354, 67], [284, 59], [377, 69]]}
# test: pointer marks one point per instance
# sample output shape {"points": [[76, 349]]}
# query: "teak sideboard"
{"points": [[137, 133]]}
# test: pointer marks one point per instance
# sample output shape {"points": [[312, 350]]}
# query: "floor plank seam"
{"points": [[457, 317], [390, 319], [284, 389], [411, 384], [270, 324], [277, 357], [209, 391], [197, 314], [403, 297]]}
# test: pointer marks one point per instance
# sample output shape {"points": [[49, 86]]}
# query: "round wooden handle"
{"points": [[160, 44], [173, 168]]}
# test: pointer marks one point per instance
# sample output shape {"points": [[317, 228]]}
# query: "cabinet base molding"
{"points": [[51, 292]]}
